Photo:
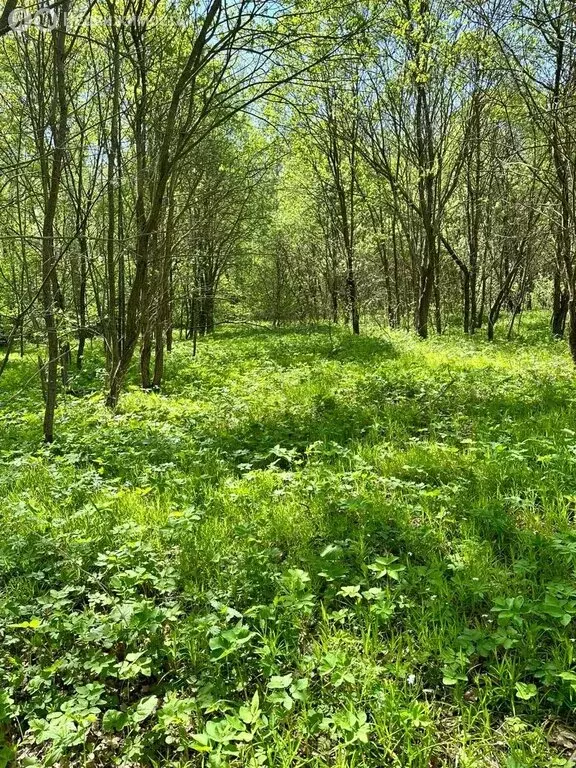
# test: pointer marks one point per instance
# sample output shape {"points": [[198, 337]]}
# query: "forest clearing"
{"points": [[312, 549]]}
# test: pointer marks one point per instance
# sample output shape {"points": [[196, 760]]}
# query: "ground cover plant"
{"points": [[252, 513], [311, 549]]}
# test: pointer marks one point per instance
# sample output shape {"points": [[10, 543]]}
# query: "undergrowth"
{"points": [[309, 550]]}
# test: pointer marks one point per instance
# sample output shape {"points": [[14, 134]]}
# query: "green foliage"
{"points": [[311, 550]]}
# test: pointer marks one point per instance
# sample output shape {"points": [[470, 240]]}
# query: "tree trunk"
{"points": [[145, 358], [170, 313], [424, 299], [466, 292], [572, 331], [561, 300], [60, 110], [164, 285], [480, 316], [353, 299], [82, 309]]}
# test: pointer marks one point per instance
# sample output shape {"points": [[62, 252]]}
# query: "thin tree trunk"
{"points": [[561, 300], [60, 110], [162, 311], [82, 308]]}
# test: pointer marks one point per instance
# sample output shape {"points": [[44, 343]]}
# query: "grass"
{"points": [[309, 550]]}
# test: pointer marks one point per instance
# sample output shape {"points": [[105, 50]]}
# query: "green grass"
{"points": [[309, 550]]}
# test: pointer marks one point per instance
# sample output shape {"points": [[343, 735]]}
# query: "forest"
{"points": [[287, 383]]}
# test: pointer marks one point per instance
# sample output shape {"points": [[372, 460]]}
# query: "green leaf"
{"points": [[387, 566], [144, 708], [526, 691], [277, 681], [114, 720]]}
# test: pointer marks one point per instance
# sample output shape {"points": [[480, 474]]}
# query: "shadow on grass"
{"points": [[291, 345]]}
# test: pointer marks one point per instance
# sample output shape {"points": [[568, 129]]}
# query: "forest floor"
{"points": [[309, 550]]}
